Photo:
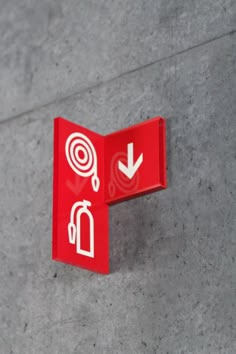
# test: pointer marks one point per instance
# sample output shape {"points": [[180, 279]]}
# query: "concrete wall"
{"points": [[106, 65]]}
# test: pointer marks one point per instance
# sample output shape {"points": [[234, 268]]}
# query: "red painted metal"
{"points": [[92, 171]]}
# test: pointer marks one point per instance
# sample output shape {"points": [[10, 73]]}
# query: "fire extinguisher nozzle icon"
{"points": [[72, 232]]}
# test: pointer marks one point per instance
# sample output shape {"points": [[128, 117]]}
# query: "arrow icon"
{"points": [[131, 169]]}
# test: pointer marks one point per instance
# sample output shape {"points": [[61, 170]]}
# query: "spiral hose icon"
{"points": [[82, 157]]}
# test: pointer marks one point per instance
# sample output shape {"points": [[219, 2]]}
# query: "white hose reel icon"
{"points": [[82, 157]]}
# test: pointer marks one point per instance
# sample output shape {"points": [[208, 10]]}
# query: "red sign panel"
{"points": [[91, 171], [80, 217], [135, 161]]}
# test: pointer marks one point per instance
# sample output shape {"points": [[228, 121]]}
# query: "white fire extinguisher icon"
{"points": [[74, 227]]}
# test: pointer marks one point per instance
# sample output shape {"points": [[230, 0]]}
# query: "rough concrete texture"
{"points": [[53, 48], [172, 288]]}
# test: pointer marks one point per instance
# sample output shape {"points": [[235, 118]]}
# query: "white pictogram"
{"points": [[74, 227], [82, 157], [118, 180], [132, 167]]}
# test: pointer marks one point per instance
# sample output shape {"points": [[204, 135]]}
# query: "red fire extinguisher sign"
{"points": [[92, 171]]}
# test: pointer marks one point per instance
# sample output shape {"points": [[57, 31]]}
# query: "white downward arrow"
{"points": [[130, 170]]}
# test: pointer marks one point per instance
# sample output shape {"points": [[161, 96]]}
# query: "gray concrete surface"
{"points": [[172, 288], [50, 49]]}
